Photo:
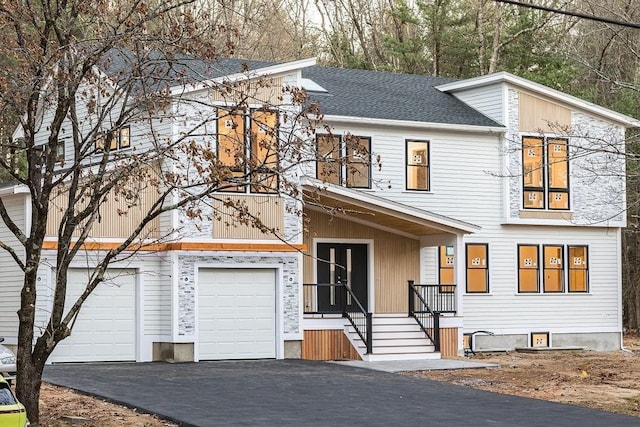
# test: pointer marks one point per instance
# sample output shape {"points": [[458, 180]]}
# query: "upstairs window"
{"points": [[247, 145], [116, 139], [344, 160], [545, 173], [418, 165]]}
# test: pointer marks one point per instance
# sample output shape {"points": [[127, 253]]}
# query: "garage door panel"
{"points": [[236, 313], [105, 329]]}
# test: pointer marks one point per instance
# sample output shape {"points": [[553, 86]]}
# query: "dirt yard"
{"points": [[606, 381], [61, 407]]}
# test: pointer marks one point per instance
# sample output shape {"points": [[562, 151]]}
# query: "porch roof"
{"points": [[365, 207]]}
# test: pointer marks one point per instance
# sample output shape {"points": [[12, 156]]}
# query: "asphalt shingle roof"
{"points": [[394, 96]]}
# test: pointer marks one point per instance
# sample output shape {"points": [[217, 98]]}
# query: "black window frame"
{"points": [[343, 160], [537, 268], [407, 164], [546, 188], [467, 268], [246, 115]]}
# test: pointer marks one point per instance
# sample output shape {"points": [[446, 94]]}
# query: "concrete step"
{"points": [[388, 357], [394, 321], [392, 328], [401, 342]]}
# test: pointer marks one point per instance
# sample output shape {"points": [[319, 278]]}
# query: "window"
{"points": [[264, 155], [328, 165], [418, 165], [446, 262], [554, 272], [578, 270], [553, 277], [116, 139], [60, 151], [545, 166], [339, 158], [477, 267], [254, 154], [528, 272]]}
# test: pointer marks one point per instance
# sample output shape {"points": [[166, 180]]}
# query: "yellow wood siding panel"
{"points": [[256, 91], [269, 209], [396, 259], [327, 345], [449, 342], [116, 218], [539, 115]]}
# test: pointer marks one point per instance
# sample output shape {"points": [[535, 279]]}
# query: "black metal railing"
{"points": [[428, 320], [338, 298], [361, 319], [439, 298]]}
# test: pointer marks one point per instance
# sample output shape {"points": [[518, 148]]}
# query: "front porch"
{"points": [[427, 329], [369, 291]]}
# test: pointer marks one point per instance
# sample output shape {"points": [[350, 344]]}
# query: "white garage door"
{"points": [[236, 314], [106, 326]]}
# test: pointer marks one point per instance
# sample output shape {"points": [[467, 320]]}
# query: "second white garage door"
{"points": [[237, 314]]}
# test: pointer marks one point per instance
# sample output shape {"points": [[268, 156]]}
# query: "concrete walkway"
{"points": [[306, 393], [416, 365]]}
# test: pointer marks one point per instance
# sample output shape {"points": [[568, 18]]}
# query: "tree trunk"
{"points": [[30, 368]]}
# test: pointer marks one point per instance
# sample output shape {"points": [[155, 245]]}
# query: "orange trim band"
{"points": [[179, 246]]}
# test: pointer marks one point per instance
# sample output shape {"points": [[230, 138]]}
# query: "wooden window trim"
{"points": [[481, 267], [536, 268], [427, 167], [545, 268]]}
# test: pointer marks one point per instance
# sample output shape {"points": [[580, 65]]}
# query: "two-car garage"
{"points": [[235, 316]]}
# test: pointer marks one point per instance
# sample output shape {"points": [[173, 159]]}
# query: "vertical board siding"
{"points": [[264, 91], [327, 345], [269, 209], [116, 218], [396, 259], [12, 276], [536, 114], [449, 342]]}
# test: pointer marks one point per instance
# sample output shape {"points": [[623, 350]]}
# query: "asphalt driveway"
{"points": [[297, 392]]}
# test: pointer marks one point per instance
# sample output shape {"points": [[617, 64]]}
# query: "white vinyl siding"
{"points": [[12, 276], [487, 99], [157, 295], [505, 311]]}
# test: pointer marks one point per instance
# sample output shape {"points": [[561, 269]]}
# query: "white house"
{"points": [[436, 208]]}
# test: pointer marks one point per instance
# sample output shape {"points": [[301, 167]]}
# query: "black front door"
{"points": [[342, 263]]}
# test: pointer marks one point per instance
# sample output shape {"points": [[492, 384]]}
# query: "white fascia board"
{"points": [[504, 77], [413, 124], [252, 74], [14, 189], [389, 207]]}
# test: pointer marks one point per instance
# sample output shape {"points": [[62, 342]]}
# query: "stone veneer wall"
{"points": [[289, 299]]}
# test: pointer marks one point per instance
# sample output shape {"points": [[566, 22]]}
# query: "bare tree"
{"points": [[85, 79]]}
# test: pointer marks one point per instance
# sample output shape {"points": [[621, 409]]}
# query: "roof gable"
{"points": [[572, 101]]}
